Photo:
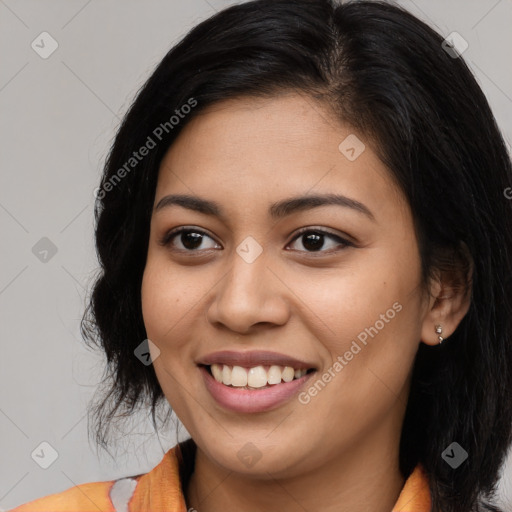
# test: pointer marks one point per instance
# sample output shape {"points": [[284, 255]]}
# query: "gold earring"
{"points": [[439, 330]]}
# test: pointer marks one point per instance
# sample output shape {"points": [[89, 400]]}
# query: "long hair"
{"points": [[387, 74]]}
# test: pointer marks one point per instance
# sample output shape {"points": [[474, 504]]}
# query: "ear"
{"points": [[450, 298]]}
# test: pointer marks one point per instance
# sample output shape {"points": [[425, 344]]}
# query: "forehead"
{"points": [[248, 150]]}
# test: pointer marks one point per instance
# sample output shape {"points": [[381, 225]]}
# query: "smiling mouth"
{"points": [[256, 377]]}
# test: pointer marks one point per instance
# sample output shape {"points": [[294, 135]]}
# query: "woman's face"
{"points": [[244, 288]]}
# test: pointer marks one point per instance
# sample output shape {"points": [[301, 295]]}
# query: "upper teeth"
{"points": [[256, 377]]}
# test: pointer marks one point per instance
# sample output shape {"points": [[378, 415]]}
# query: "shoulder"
{"points": [[108, 496], [160, 489], [80, 498]]}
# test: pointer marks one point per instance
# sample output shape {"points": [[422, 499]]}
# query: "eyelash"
{"points": [[169, 236]]}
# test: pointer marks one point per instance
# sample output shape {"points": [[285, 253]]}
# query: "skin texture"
{"points": [[340, 450]]}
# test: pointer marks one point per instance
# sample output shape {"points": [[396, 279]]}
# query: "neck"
{"points": [[364, 478]]}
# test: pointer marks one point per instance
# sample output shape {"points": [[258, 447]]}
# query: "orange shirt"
{"points": [[160, 491]]}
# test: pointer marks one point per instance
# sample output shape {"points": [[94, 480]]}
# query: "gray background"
{"points": [[58, 118]]}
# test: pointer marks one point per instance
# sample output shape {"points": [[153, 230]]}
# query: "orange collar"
{"points": [[415, 495]]}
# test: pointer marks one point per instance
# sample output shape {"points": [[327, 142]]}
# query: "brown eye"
{"points": [[190, 239], [314, 240]]}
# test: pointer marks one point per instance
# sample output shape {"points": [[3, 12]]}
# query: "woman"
{"points": [[306, 248]]}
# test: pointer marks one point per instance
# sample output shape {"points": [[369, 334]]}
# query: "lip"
{"points": [[254, 358], [252, 401]]}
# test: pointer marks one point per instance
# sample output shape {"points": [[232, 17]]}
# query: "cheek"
{"points": [[154, 301], [168, 319], [163, 301], [368, 318], [376, 295], [172, 298], [371, 352]]}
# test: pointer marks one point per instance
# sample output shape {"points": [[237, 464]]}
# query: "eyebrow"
{"points": [[277, 210]]}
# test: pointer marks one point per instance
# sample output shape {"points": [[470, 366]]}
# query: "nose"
{"points": [[249, 295]]}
